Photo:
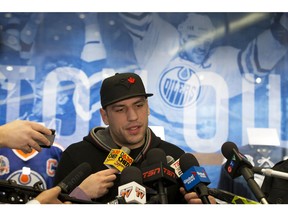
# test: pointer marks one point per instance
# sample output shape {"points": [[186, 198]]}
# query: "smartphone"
{"points": [[50, 138]]}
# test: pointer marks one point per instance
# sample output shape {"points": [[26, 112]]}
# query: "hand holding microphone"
{"points": [[74, 178], [194, 178], [97, 185], [92, 185], [50, 196], [68, 184]]}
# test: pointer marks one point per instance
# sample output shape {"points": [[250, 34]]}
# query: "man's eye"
{"points": [[119, 110], [140, 105]]}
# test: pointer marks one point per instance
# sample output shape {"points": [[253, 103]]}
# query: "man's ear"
{"points": [[104, 116]]}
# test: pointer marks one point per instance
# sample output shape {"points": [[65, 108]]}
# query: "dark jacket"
{"points": [[96, 146]]}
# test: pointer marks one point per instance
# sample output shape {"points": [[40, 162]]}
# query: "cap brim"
{"points": [[127, 97]]}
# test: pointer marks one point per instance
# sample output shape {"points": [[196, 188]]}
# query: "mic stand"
{"points": [[271, 173], [162, 193], [154, 200], [203, 193], [160, 198], [249, 177]]}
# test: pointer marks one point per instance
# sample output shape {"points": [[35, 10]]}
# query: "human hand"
{"points": [[96, 185], [23, 135], [50, 196], [192, 197]]}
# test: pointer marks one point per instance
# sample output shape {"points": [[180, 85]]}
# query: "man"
{"points": [[125, 110]]}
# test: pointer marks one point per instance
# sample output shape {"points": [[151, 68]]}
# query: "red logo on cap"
{"points": [[131, 80]]}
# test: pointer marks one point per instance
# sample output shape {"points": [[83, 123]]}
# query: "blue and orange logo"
{"points": [[179, 86]]}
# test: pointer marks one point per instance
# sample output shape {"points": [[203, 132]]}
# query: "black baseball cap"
{"points": [[121, 86]]}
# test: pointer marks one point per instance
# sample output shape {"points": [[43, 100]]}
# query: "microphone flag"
{"points": [[133, 193], [177, 168], [193, 176], [159, 171], [119, 159], [234, 162], [131, 188]]}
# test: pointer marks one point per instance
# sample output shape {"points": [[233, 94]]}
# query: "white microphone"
{"points": [[270, 172], [131, 186], [176, 166]]}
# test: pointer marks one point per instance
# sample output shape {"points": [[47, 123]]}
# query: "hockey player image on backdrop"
{"points": [[206, 90], [194, 90]]}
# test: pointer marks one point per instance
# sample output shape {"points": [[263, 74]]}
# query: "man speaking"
{"points": [[125, 111]]}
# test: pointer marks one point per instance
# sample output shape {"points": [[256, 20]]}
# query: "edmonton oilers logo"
{"points": [[179, 86], [27, 180]]}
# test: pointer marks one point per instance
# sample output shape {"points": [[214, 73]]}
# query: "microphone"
{"points": [[176, 166], [14, 193], [71, 181], [237, 165], [229, 197], [194, 177], [131, 186], [157, 173], [235, 160], [119, 158], [270, 172], [170, 160]]}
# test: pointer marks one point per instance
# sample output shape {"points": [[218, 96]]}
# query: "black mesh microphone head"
{"points": [[144, 164], [227, 149], [74, 178], [186, 161], [130, 174], [155, 156]]}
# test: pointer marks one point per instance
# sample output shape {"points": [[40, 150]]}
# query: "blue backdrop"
{"points": [[213, 75]]}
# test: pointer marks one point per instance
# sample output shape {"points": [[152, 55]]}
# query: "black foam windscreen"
{"points": [[156, 155], [130, 174], [186, 161], [227, 148]]}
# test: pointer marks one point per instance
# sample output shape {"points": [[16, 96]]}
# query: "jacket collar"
{"points": [[101, 137]]}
